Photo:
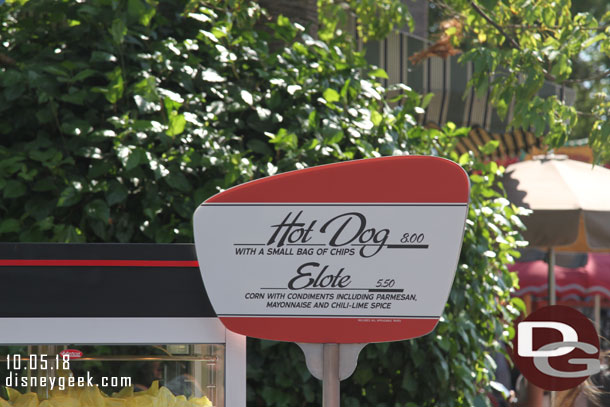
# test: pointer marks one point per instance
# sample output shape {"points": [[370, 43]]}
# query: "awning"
{"points": [[448, 79]]}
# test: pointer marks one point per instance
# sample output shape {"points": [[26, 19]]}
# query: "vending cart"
{"points": [[113, 325]]}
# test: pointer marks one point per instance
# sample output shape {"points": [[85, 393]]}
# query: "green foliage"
{"points": [[120, 117], [517, 45], [126, 115], [374, 19]]}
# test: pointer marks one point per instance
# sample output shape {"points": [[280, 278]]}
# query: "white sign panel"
{"points": [[329, 259]]}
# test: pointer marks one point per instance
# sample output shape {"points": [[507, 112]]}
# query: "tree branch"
{"points": [[599, 75], [510, 39], [554, 27]]}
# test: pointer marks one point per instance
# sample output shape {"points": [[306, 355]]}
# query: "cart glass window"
{"points": [[177, 375]]}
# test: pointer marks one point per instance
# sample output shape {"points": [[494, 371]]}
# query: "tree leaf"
{"points": [[378, 73], [331, 95], [101, 56], [116, 193], [9, 226], [98, 209], [140, 10], [259, 146], [489, 147], [69, 196], [176, 124], [210, 75], [246, 97], [178, 180], [136, 157], [118, 30], [14, 189]]}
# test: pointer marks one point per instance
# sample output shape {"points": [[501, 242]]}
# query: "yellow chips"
{"points": [[93, 397]]}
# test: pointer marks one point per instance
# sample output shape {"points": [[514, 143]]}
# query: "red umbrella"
{"points": [[573, 284], [585, 285]]}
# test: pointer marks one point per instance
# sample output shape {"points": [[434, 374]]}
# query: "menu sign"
{"points": [[358, 267]]}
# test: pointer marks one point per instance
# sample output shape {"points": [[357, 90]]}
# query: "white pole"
{"points": [[330, 381], [552, 300], [597, 312], [552, 289]]}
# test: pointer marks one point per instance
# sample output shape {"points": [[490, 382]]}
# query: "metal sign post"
{"points": [[330, 381], [331, 363]]}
